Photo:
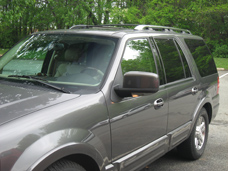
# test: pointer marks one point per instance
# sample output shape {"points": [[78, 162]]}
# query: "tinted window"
{"points": [[158, 62], [183, 58], [202, 57], [171, 59], [138, 57]]}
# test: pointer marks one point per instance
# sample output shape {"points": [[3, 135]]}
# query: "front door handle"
{"points": [[158, 103], [194, 90]]}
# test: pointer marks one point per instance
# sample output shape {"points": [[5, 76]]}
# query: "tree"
{"points": [[207, 18]]}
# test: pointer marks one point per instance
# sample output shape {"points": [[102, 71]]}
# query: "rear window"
{"points": [[202, 56]]}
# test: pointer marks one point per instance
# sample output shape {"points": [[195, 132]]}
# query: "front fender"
{"points": [[55, 146]]}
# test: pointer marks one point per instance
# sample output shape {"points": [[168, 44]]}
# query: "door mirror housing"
{"points": [[138, 82]]}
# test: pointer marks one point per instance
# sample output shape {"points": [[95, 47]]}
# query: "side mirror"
{"points": [[138, 82]]}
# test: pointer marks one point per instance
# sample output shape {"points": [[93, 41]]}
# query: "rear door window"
{"points": [[171, 59], [202, 56]]}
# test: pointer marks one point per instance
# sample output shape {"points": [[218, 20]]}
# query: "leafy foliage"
{"points": [[221, 51], [207, 18]]}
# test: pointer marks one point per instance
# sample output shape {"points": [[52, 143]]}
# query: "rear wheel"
{"points": [[65, 165], [194, 146]]}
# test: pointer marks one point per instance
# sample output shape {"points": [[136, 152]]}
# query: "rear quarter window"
{"points": [[202, 56]]}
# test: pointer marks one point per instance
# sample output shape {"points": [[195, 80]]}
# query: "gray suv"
{"points": [[105, 98]]}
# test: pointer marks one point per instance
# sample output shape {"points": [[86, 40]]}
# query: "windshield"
{"points": [[71, 61]]}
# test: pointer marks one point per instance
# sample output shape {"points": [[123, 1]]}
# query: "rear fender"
{"points": [[202, 103]]}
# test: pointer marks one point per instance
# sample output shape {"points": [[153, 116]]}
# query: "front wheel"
{"points": [[65, 165], [194, 146]]}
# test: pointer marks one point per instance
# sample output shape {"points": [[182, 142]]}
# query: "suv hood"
{"points": [[17, 101]]}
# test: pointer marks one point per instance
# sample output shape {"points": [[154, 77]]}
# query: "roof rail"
{"points": [[100, 26], [80, 26], [137, 27], [162, 28]]}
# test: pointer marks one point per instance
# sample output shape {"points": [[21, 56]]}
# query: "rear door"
{"points": [[181, 86]]}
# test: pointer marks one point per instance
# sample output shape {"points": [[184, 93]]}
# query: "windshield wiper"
{"points": [[42, 81]]}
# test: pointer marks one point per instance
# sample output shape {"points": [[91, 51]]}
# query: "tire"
{"points": [[65, 165], [193, 148]]}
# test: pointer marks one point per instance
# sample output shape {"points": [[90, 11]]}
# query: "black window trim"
{"points": [[175, 42], [178, 43], [158, 58], [184, 47]]}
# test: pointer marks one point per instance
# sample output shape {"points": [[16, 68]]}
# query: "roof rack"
{"points": [[137, 27], [101, 26], [162, 28]]}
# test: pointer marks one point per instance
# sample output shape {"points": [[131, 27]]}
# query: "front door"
{"points": [[136, 121]]}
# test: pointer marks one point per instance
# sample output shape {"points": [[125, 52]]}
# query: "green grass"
{"points": [[221, 63], [2, 51]]}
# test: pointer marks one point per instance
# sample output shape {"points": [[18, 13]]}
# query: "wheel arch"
{"points": [[208, 108], [82, 154], [205, 103], [52, 147]]}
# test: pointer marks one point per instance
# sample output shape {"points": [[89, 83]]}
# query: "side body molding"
{"points": [[142, 156]]}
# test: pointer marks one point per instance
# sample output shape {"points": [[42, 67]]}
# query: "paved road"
{"points": [[216, 153]]}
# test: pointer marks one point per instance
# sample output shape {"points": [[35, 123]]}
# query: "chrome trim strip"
{"points": [[179, 134], [140, 150], [143, 27], [110, 166]]}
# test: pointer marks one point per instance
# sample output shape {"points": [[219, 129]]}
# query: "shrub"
{"points": [[221, 51]]}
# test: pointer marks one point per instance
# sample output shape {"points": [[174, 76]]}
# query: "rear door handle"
{"points": [[158, 103], [194, 90]]}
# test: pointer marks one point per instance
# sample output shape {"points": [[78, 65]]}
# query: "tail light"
{"points": [[218, 85]]}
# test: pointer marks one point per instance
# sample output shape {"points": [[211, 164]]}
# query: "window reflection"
{"points": [[138, 57], [64, 59], [202, 56], [171, 59]]}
